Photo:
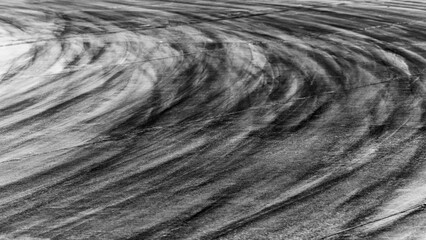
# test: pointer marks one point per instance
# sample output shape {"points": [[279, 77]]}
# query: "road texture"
{"points": [[227, 120]]}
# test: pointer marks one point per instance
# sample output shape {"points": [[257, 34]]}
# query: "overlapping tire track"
{"points": [[208, 120]]}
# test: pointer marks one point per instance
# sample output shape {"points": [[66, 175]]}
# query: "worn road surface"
{"points": [[228, 120]]}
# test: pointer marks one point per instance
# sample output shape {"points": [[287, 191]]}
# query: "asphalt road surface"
{"points": [[228, 120]]}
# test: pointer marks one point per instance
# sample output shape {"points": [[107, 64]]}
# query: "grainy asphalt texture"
{"points": [[227, 120]]}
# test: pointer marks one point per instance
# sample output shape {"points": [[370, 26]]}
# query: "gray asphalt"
{"points": [[212, 119]]}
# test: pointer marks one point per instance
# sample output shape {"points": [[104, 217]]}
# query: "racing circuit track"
{"points": [[229, 120]]}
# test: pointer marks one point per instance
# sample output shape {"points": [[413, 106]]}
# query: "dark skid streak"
{"points": [[212, 119]]}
